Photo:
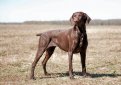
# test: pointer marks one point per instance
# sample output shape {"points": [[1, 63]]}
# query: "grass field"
{"points": [[18, 46]]}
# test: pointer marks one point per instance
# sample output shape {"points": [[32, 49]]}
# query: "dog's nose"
{"points": [[79, 17]]}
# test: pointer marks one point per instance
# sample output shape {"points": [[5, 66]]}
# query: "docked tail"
{"points": [[38, 34]]}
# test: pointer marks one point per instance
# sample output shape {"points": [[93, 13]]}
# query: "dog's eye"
{"points": [[74, 15], [80, 15]]}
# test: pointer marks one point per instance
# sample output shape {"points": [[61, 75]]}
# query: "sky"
{"points": [[47, 10]]}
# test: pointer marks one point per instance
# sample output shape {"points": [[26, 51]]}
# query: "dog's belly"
{"points": [[62, 44], [67, 49]]}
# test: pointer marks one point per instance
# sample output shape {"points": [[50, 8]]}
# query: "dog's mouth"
{"points": [[78, 22]]}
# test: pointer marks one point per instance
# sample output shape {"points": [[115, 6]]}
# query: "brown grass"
{"points": [[18, 45]]}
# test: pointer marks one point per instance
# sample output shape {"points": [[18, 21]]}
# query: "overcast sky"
{"points": [[26, 10]]}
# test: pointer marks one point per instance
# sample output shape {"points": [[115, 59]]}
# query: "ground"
{"points": [[18, 46]]}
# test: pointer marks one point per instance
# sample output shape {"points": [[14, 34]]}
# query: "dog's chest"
{"points": [[79, 37], [80, 40]]}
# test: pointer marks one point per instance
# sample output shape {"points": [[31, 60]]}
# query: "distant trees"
{"points": [[106, 22], [93, 22], [48, 22], [67, 22]]}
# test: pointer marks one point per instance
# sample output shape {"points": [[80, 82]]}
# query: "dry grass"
{"points": [[18, 45]]}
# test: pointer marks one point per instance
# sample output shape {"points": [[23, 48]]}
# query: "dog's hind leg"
{"points": [[49, 52], [43, 43]]}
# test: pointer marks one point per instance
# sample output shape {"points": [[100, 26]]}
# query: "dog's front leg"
{"points": [[83, 61], [70, 54]]}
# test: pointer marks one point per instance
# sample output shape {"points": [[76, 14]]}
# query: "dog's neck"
{"points": [[81, 28]]}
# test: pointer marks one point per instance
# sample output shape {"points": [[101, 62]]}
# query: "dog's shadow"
{"points": [[56, 75]]}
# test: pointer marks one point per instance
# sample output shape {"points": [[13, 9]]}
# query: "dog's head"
{"points": [[80, 18]]}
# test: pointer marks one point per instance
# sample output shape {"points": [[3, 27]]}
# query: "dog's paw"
{"points": [[47, 74], [71, 77], [32, 78], [86, 75]]}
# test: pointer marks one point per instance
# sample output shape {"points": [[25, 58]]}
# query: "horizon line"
{"points": [[51, 20]]}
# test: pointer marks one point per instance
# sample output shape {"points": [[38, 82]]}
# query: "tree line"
{"points": [[67, 22]]}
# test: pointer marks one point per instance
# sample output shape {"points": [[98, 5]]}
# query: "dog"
{"points": [[73, 41]]}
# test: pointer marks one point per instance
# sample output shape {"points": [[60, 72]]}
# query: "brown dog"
{"points": [[73, 40]]}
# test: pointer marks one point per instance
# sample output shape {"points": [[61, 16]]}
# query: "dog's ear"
{"points": [[72, 19], [88, 19]]}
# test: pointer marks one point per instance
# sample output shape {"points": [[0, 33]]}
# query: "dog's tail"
{"points": [[39, 34]]}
